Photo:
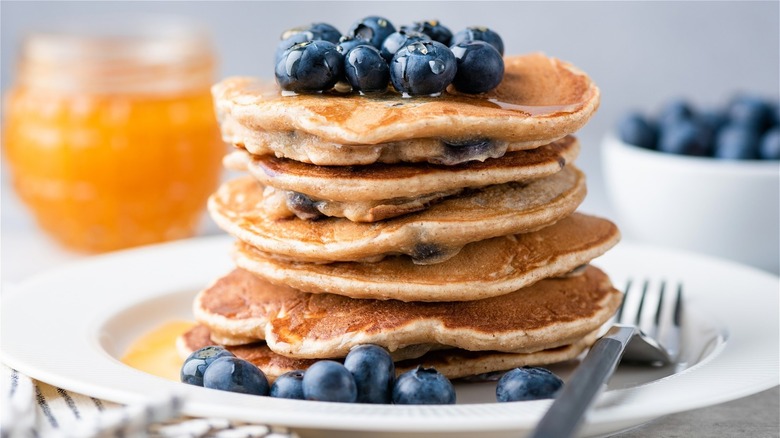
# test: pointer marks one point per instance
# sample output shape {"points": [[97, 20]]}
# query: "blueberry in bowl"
{"points": [[423, 386], [366, 70], [479, 33], [373, 29], [433, 29], [309, 67], [521, 384], [398, 40], [480, 67], [423, 68]]}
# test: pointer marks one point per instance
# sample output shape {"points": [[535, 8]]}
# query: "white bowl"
{"points": [[726, 208]]}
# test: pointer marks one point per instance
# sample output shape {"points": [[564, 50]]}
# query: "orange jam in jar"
{"points": [[111, 137]]}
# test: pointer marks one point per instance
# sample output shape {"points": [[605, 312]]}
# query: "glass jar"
{"points": [[111, 136]]}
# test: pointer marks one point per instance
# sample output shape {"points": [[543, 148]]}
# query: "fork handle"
{"points": [[568, 409]]}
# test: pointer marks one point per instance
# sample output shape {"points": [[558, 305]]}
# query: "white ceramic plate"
{"points": [[69, 327]]}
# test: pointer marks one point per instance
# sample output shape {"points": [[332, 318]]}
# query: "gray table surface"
{"points": [[757, 416]]}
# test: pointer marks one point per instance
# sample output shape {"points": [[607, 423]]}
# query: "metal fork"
{"points": [[643, 333]]}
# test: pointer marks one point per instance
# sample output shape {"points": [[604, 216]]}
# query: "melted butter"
{"points": [[155, 352]]}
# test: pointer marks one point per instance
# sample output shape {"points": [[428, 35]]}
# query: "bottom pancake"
{"points": [[544, 315], [453, 363]]}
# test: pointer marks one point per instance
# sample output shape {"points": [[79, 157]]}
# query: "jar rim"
{"points": [[152, 39]]}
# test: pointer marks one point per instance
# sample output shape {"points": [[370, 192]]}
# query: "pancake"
{"points": [[539, 100], [310, 149], [453, 363], [430, 236], [379, 191], [547, 314], [481, 270]]}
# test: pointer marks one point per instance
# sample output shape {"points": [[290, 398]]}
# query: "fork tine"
{"points": [[619, 314], [672, 339], [656, 327], [638, 318]]}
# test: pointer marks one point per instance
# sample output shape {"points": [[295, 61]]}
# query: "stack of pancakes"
{"points": [[443, 228]]}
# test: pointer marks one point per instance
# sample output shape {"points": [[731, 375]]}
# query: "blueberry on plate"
{"points": [[435, 30], [750, 111], [327, 380], [737, 142], [288, 385], [398, 40], [374, 373], [315, 32], [769, 149], [310, 67], [196, 363], [480, 67], [685, 137], [423, 68], [372, 29], [423, 386], [522, 384], [637, 130], [235, 375], [366, 70], [479, 33]]}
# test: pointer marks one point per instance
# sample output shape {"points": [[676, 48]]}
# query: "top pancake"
{"points": [[540, 99]]}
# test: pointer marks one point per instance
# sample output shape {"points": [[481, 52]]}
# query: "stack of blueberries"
{"points": [[747, 128], [366, 376], [421, 59]]}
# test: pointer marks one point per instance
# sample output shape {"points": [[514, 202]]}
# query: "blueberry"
{"points": [[310, 66], [433, 29], [327, 380], [196, 363], [637, 130], [479, 33], [776, 114], [750, 111], [480, 67], [770, 145], [423, 386], [315, 32], [737, 142], [347, 43], [674, 111], [423, 68], [366, 70], [286, 44], [372, 29], [398, 40], [374, 373], [288, 385], [235, 375], [685, 137], [527, 384]]}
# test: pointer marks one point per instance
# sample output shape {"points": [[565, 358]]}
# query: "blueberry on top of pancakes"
{"points": [[310, 66], [423, 68]]}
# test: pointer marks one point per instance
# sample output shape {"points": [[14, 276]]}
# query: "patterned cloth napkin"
{"points": [[29, 408]]}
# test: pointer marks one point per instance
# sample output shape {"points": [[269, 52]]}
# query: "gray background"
{"points": [[639, 53]]}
